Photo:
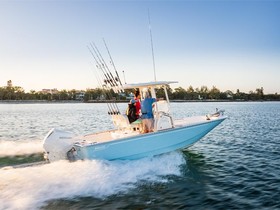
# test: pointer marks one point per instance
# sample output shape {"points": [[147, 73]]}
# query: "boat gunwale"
{"points": [[222, 118]]}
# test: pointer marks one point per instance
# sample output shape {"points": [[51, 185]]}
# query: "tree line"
{"points": [[202, 93]]}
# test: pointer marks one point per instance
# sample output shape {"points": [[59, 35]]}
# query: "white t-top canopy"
{"points": [[147, 84]]}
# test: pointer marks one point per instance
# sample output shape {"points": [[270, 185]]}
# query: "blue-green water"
{"points": [[236, 166]]}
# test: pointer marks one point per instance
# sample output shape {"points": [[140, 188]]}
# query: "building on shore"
{"points": [[9, 83], [51, 91]]}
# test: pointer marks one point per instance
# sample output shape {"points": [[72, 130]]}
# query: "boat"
{"points": [[127, 141]]}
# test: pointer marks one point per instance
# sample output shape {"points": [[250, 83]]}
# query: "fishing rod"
{"points": [[99, 63], [110, 108], [114, 84], [108, 70], [118, 78], [107, 75], [102, 89], [107, 93], [113, 108], [105, 71]]}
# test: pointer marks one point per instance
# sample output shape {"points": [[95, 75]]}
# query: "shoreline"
{"points": [[36, 102], [118, 101]]}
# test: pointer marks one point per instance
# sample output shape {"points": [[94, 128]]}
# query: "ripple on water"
{"points": [[236, 166]]}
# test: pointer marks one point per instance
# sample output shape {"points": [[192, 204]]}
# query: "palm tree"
{"points": [[214, 93], [259, 92], [180, 93]]}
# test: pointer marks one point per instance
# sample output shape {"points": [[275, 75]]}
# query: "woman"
{"points": [[137, 103], [134, 107]]}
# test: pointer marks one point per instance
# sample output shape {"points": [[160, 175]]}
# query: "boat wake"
{"points": [[13, 148], [20, 154], [35, 186]]}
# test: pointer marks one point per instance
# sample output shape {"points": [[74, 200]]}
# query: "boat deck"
{"points": [[111, 135]]}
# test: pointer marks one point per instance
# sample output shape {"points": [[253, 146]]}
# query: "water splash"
{"points": [[33, 187], [12, 148]]}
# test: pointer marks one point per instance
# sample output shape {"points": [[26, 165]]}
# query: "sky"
{"points": [[227, 44]]}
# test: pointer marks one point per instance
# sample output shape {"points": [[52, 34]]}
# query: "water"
{"points": [[236, 166]]}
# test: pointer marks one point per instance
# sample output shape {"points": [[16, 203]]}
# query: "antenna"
{"points": [[124, 77], [152, 45]]}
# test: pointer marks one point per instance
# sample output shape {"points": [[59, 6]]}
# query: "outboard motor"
{"points": [[57, 143]]}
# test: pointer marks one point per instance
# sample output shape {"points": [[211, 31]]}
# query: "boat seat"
{"points": [[121, 121]]}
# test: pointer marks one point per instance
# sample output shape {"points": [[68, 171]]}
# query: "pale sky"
{"points": [[229, 44]]}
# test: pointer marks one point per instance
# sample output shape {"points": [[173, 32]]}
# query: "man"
{"points": [[147, 112]]}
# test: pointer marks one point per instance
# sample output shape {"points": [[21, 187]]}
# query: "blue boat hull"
{"points": [[149, 144]]}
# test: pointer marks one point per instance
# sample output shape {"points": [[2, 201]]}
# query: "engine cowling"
{"points": [[57, 143]]}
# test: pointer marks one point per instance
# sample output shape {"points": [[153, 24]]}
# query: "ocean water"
{"points": [[235, 166]]}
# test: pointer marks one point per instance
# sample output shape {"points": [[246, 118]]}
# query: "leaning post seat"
{"points": [[121, 122]]}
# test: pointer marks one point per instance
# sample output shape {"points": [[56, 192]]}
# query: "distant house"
{"points": [[127, 97], [229, 94], [101, 97], [9, 83], [130, 96], [51, 91], [80, 95], [15, 88]]}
